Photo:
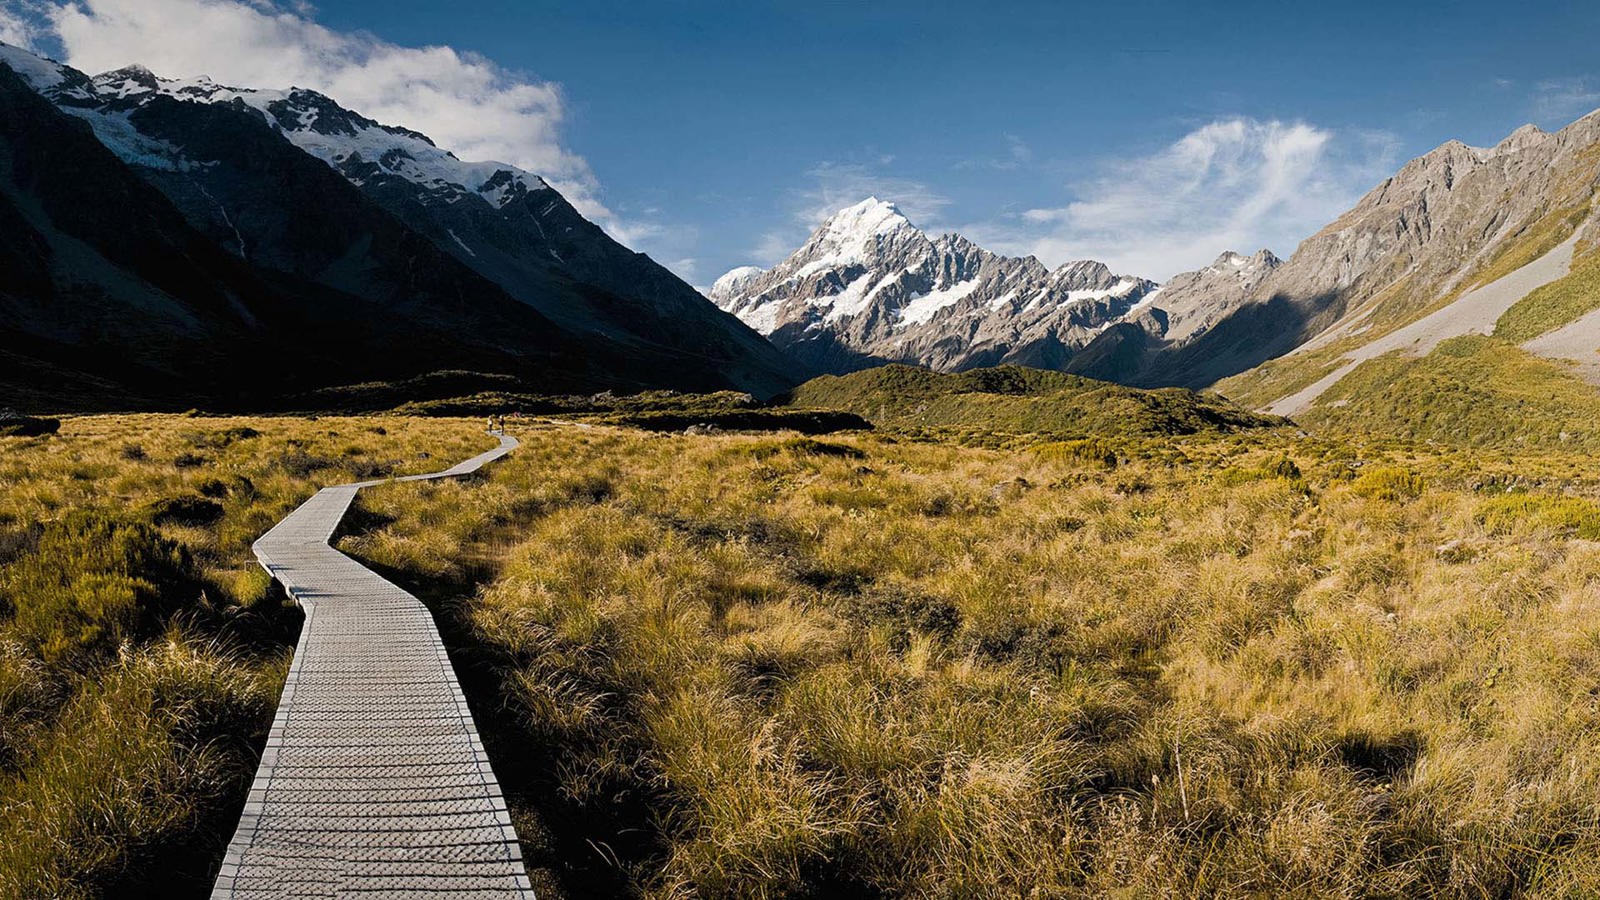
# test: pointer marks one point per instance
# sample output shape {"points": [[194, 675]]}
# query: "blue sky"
{"points": [[709, 134]]}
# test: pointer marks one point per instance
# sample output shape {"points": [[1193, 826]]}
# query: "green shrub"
{"points": [[1568, 515], [1085, 450], [801, 446], [91, 582], [903, 612], [186, 510], [221, 438], [13, 425], [1277, 467], [1389, 483]]}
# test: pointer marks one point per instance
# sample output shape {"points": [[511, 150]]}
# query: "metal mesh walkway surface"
{"points": [[373, 783]]}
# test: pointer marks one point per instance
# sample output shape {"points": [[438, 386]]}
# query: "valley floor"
{"points": [[768, 666], [886, 664]]}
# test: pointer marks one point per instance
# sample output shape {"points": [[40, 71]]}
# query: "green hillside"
{"points": [[1554, 305], [1473, 391], [1016, 399]]}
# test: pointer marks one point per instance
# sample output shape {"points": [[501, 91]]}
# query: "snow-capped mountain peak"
{"points": [[358, 147], [867, 285], [863, 221], [736, 280], [1244, 266]]}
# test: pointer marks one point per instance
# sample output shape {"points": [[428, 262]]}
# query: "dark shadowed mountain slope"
{"points": [[359, 292]]}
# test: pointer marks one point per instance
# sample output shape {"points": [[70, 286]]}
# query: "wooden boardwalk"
{"points": [[373, 783]]}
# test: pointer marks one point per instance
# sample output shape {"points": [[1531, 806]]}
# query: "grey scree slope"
{"points": [[373, 782]]}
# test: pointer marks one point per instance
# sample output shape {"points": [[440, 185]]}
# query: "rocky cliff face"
{"points": [[1446, 221], [1445, 214]]}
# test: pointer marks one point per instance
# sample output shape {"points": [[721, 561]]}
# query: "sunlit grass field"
{"points": [[866, 664], [141, 648], [1258, 665]]}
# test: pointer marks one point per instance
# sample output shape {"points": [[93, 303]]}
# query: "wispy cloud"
{"points": [[1018, 154], [467, 103], [1236, 183], [837, 185], [830, 187], [1557, 101]]}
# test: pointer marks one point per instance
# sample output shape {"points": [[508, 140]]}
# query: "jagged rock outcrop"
{"points": [[869, 287]]}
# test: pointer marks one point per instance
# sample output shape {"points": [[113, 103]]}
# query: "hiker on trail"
{"points": [[491, 424]]}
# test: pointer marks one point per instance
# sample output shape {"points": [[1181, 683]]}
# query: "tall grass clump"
{"points": [[141, 646], [750, 666]]}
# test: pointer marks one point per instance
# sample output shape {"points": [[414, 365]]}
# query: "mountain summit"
{"points": [[868, 287]]}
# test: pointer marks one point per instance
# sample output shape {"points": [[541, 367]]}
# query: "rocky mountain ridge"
{"points": [[870, 287], [405, 224], [1451, 220]]}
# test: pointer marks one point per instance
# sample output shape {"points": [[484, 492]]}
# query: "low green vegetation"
{"points": [[141, 648], [650, 410], [1474, 391], [1281, 377], [1554, 305], [1015, 400], [1246, 664], [601, 404], [1520, 511]]}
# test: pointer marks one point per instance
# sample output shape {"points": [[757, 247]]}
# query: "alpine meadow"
{"points": [[1160, 465]]}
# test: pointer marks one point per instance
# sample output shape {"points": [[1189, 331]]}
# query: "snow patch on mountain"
{"points": [[359, 148], [42, 74], [851, 301], [923, 307]]}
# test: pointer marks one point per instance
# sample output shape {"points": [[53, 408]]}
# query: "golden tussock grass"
{"points": [[1251, 665], [141, 650]]}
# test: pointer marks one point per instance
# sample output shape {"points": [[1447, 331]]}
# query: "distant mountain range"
{"points": [[173, 242], [868, 288]]}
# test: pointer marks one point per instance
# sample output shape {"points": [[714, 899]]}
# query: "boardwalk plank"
{"points": [[373, 782]]}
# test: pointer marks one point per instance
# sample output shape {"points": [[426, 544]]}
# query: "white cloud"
{"points": [[466, 103], [1235, 184], [20, 24], [1557, 101], [775, 246]]}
